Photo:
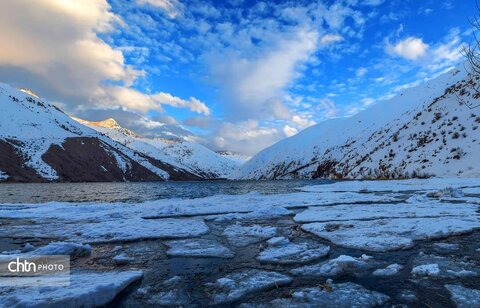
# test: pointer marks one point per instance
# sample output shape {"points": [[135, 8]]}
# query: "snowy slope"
{"points": [[239, 158], [39, 142], [398, 138], [193, 157]]}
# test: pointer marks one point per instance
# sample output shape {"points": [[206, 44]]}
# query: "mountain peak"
{"points": [[108, 123], [30, 92]]}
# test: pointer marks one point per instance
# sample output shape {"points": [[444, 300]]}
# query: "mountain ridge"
{"points": [[40, 143], [357, 147]]}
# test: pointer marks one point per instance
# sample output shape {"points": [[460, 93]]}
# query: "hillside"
{"points": [[192, 157], [429, 130], [38, 142]]}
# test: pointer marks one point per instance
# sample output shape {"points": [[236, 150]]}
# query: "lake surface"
{"points": [[140, 192]]}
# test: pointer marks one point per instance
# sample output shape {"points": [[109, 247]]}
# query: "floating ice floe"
{"points": [[334, 198], [407, 296], [464, 297], [85, 290], [74, 250], [172, 293], [340, 295], [240, 236], [379, 211], [27, 248], [122, 259], [447, 192], [393, 233], [447, 267], [282, 251], [261, 213], [343, 265], [393, 186], [445, 247], [235, 286], [472, 191], [390, 270], [426, 270], [198, 248], [113, 230]]}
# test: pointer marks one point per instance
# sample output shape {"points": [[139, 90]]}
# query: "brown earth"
{"points": [[12, 163], [84, 159]]}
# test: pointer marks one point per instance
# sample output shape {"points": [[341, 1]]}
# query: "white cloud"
{"points": [[54, 48], [246, 137], [171, 7], [254, 86], [360, 72], [193, 104], [410, 48], [289, 131], [302, 122], [327, 108], [331, 38]]}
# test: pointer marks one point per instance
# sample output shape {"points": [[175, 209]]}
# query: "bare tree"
{"points": [[471, 52]]}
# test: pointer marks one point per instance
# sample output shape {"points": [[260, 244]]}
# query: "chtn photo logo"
{"points": [[22, 270], [24, 266]]}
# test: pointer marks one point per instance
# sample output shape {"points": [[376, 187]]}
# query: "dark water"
{"points": [[139, 192]]}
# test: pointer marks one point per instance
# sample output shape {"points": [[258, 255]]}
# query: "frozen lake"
{"points": [[288, 244], [139, 192]]}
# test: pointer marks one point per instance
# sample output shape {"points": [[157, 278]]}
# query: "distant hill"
{"points": [[192, 157]]}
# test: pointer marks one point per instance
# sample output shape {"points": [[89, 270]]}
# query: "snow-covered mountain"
{"points": [[429, 130], [38, 142], [193, 157]]}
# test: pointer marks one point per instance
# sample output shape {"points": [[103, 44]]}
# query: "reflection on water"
{"points": [[139, 192]]}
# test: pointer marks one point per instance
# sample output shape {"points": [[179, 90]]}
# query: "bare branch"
{"points": [[471, 52]]}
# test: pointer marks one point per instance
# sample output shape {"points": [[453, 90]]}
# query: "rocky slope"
{"points": [[192, 157], [38, 142], [430, 130]]}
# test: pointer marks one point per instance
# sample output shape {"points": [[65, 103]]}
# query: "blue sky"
{"points": [[240, 74]]}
